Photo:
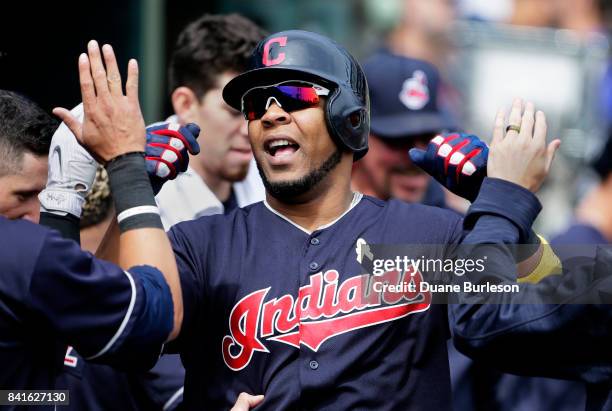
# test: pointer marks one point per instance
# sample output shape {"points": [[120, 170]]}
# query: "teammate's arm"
{"points": [[114, 133], [459, 162], [515, 336], [566, 338]]}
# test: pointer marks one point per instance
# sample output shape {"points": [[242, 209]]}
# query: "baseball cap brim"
{"points": [[402, 125]]}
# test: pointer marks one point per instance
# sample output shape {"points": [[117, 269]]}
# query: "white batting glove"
{"points": [[71, 172]]}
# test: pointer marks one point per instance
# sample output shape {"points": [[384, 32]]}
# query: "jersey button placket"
{"points": [[314, 260]]}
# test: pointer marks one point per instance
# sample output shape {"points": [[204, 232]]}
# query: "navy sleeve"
{"points": [[500, 217], [531, 339], [188, 252], [568, 340], [503, 212], [106, 313]]}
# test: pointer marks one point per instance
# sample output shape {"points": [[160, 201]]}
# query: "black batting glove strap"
{"points": [[68, 225], [132, 192], [511, 201]]}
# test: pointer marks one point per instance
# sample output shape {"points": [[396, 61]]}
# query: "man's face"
{"points": [[225, 149], [19, 191], [293, 150], [391, 172]]}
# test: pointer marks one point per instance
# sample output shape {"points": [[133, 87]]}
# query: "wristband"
{"points": [[549, 264], [132, 192]]}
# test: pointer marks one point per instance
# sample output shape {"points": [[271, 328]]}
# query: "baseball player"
{"points": [[586, 258], [406, 113], [270, 290], [99, 386], [45, 302], [52, 293], [25, 134], [586, 274]]}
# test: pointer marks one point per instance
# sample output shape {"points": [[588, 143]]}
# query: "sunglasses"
{"points": [[289, 95]]}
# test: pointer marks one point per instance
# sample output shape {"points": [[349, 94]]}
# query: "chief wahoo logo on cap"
{"points": [[415, 93]]}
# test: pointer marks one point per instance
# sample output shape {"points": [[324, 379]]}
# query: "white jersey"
{"points": [[188, 197]]}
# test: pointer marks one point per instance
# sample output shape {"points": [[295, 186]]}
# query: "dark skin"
{"points": [[306, 128]]}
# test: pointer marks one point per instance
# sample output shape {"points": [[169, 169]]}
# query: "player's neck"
{"points": [[219, 186], [362, 181], [320, 206]]}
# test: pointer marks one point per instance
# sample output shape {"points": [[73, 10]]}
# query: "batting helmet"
{"points": [[302, 55]]}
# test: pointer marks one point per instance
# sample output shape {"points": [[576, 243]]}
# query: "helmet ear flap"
{"points": [[355, 119], [348, 121]]}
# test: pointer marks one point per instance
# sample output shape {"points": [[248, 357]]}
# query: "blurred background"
{"points": [[553, 52]]}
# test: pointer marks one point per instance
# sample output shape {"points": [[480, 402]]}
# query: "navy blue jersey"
{"points": [[52, 294], [99, 387], [271, 309], [513, 392], [579, 233]]}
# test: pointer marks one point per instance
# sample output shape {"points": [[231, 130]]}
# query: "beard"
{"points": [[288, 190]]}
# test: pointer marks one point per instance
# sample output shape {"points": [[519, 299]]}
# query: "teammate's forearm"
{"points": [[497, 225], [109, 247], [506, 200], [140, 224], [156, 255]]}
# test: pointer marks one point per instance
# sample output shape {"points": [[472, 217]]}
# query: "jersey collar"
{"points": [[356, 199]]}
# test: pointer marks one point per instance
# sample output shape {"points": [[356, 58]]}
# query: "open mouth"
{"points": [[281, 147]]}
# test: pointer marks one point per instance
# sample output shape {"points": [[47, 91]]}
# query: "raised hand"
{"points": [[113, 124], [521, 157]]}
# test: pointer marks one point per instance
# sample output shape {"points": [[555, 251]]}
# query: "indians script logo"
{"points": [[323, 309], [415, 92]]}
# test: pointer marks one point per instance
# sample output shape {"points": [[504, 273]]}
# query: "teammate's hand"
{"points": [[458, 161], [167, 151], [247, 401], [521, 157], [113, 123], [72, 171]]}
